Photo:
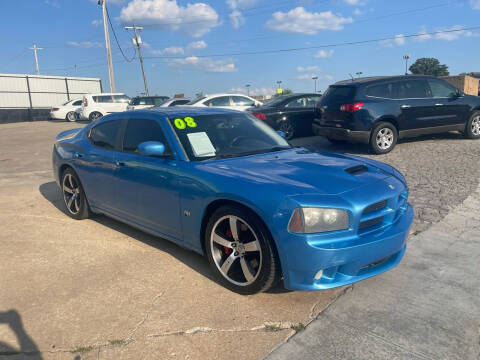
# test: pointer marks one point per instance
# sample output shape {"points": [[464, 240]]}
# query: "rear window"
{"points": [[339, 94], [121, 98], [381, 90]]}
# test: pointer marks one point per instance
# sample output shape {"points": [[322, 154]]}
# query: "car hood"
{"points": [[299, 171]]}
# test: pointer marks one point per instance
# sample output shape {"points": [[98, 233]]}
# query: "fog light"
{"points": [[318, 275]]}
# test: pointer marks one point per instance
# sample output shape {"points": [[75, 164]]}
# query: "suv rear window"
{"points": [[339, 94]]}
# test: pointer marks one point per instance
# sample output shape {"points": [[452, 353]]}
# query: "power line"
{"points": [[116, 40]]}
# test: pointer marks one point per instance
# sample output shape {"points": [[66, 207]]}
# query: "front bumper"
{"points": [[345, 262], [342, 133]]}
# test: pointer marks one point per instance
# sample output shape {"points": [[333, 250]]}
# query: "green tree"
{"points": [[285, 92], [429, 66]]}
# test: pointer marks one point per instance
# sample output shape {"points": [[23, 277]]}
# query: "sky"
{"points": [[210, 46]]}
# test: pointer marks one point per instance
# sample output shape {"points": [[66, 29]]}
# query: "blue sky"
{"points": [[180, 38]]}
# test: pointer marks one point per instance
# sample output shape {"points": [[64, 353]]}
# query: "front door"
{"points": [[450, 107], [146, 186]]}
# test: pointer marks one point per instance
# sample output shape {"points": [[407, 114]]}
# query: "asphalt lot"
{"points": [[98, 288]]}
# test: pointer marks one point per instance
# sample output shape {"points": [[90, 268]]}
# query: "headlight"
{"points": [[307, 220]]}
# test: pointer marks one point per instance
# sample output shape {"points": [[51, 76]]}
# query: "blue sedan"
{"points": [[226, 185]]}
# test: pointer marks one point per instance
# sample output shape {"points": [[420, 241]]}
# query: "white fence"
{"points": [[21, 91]]}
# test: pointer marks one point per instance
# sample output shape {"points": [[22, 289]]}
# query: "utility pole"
{"points": [[35, 48], [248, 89], [406, 57], [137, 40], [103, 4], [315, 80]]}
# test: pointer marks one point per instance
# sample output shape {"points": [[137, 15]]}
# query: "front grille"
{"points": [[375, 207], [369, 223]]}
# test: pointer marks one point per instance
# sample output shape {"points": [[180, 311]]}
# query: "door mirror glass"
{"points": [[151, 148], [281, 133]]}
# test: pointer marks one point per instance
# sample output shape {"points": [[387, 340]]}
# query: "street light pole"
{"points": [[315, 80], [103, 4], [137, 41], [248, 89], [35, 48], [406, 58]]}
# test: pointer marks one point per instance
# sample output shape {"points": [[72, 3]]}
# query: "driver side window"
{"points": [[141, 130]]}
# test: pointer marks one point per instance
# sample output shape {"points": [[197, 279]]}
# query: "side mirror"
{"points": [[151, 148], [281, 133]]}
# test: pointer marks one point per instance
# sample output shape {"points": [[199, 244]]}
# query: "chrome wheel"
{"points": [[71, 193], [384, 138], [71, 116], [287, 128], [476, 126], [236, 250]]}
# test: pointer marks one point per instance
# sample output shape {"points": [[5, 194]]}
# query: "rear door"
{"points": [[450, 107], [145, 186], [300, 112], [120, 103]]}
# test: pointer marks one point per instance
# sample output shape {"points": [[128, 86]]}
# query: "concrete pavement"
{"points": [[427, 308]]}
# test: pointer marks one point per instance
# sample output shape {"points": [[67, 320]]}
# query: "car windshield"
{"points": [[274, 101], [196, 100], [221, 136]]}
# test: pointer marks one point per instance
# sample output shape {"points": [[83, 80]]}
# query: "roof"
{"points": [[372, 79]]}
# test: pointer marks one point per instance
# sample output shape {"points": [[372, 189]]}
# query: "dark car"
{"points": [[379, 111], [293, 113]]}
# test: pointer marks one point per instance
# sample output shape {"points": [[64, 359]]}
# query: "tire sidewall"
{"points": [[468, 126], [84, 208], [373, 142], [74, 116], [268, 253], [92, 114]]}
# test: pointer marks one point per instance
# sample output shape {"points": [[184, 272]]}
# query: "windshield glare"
{"points": [[225, 135]]}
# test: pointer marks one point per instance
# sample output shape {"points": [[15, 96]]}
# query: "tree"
{"points": [[429, 66], [284, 92]]}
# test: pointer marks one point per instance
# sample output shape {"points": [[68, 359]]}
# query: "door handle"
{"points": [[119, 163], [405, 106]]}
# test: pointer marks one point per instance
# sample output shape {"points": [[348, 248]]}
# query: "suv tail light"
{"points": [[351, 107], [85, 102], [55, 109], [259, 115]]}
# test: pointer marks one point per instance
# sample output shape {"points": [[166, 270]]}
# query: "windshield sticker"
{"points": [[183, 123], [201, 144]]}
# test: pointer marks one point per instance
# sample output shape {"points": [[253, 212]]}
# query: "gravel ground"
{"points": [[441, 170]]}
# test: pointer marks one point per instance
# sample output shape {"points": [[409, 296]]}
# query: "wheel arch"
{"points": [[388, 118]]}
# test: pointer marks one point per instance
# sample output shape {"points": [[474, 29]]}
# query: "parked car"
{"points": [[380, 110], [293, 113], [66, 111], [145, 102], [226, 101], [225, 184], [175, 102], [97, 105]]}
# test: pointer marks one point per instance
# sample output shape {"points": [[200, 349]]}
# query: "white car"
{"points": [[227, 101], [145, 102], [66, 111], [174, 102], [97, 105]]}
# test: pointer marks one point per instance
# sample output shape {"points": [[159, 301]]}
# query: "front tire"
{"points": [[240, 251], [71, 116], [94, 115], [384, 138], [73, 196], [472, 128]]}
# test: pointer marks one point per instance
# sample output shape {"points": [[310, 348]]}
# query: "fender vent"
{"points": [[355, 170]]}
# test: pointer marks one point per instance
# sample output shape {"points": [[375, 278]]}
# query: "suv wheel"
{"points": [[384, 138], [94, 115], [240, 251], [472, 129]]}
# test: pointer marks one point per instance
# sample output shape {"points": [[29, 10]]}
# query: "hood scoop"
{"points": [[356, 170]]}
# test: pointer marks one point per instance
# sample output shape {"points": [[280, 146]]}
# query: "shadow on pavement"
{"points": [[27, 345]]}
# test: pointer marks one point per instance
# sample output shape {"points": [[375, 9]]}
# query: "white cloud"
{"points": [[355, 2], [357, 12], [173, 50], [52, 3], [254, 91], [308, 68], [197, 45], [236, 18], [475, 4], [329, 78], [301, 21], [399, 40], [204, 64], [97, 22], [194, 19], [306, 76], [323, 54], [85, 44], [445, 36]]}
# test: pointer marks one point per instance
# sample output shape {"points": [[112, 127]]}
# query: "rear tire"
{"points": [[384, 138], [73, 196], [71, 116], [94, 115], [240, 251], [288, 128], [472, 128]]}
